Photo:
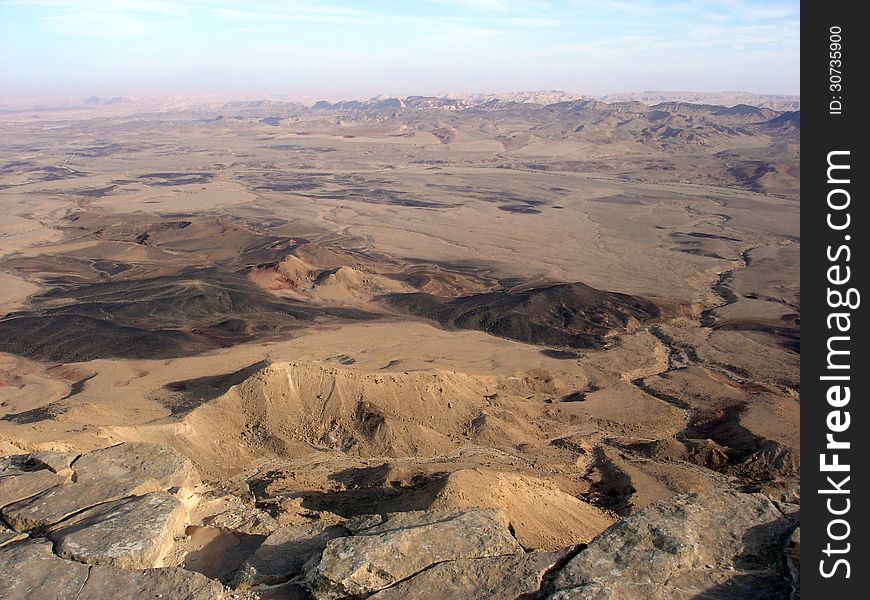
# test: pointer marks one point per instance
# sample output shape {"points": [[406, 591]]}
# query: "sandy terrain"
{"points": [[345, 312]]}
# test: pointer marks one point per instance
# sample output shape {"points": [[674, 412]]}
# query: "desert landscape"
{"points": [[527, 346]]}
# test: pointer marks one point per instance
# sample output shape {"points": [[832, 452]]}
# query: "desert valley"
{"points": [[512, 346]]}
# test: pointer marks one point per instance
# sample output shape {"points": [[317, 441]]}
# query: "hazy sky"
{"points": [[310, 49]]}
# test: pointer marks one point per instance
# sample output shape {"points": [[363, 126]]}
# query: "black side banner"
{"points": [[835, 420]]}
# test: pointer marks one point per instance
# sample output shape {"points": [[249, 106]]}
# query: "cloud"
{"points": [[101, 24], [476, 4], [459, 35], [530, 22], [312, 16]]}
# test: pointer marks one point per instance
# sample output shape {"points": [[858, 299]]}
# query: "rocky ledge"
{"points": [[134, 521]]}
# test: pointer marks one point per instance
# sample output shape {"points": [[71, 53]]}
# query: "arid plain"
{"points": [[566, 313]]}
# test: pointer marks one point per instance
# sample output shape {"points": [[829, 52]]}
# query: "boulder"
{"points": [[404, 545], [723, 545], [359, 523], [282, 555], [132, 533], [511, 576], [104, 475], [227, 511], [23, 485], [57, 462], [31, 570], [12, 464], [108, 583]]}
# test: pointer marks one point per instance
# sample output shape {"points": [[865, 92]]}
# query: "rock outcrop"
{"points": [[406, 544], [283, 554], [104, 475], [140, 530], [723, 545], [112, 514], [22, 485], [132, 533], [105, 583], [31, 570], [513, 576]]}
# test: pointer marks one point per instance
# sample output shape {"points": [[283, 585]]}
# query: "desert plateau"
{"points": [[522, 347]]}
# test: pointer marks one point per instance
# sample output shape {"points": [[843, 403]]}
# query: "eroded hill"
{"points": [[262, 337]]}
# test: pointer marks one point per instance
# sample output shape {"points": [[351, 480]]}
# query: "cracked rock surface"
{"points": [[128, 533], [406, 544], [724, 545], [133, 521], [112, 473]]}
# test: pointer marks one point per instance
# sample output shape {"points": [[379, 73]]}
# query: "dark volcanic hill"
{"points": [[175, 315], [570, 315]]}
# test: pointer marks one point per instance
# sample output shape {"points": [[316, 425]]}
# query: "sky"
{"points": [[342, 48]]}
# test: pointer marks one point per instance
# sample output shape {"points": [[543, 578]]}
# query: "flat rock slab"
{"points": [[12, 464], [132, 533], [722, 545], [58, 462], [226, 511], [476, 579], [282, 555], [104, 475], [31, 570], [107, 583], [20, 486], [404, 545]]}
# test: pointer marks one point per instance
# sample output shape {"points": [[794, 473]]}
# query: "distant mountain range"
{"points": [[551, 97], [448, 101], [775, 101], [750, 145]]}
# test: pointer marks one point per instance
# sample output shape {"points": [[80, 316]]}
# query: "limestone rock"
{"points": [[359, 523], [476, 579], [282, 555], [227, 511], [57, 462], [108, 583], [723, 545], [31, 570], [12, 464], [404, 545], [102, 476], [132, 533], [20, 486]]}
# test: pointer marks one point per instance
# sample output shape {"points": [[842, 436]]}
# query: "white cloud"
{"points": [[311, 16], [476, 4], [460, 35], [101, 24]]}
